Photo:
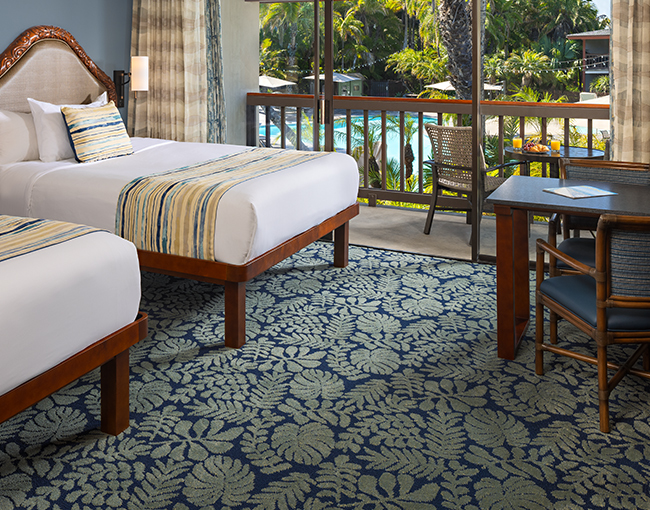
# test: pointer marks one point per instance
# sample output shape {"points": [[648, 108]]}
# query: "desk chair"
{"points": [[573, 245], [451, 148], [610, 302]]}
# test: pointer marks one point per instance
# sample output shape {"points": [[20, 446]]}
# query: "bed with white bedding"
{"points": [[250, 220], [68, 308], [258, 222]]}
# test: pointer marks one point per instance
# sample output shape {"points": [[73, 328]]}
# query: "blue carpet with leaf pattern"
{"points": [[371, 387]]}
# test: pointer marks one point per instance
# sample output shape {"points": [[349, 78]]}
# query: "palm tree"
{"points": [[429, 32], [347, 26], [528, 64], [426, 66], [493, 68], [381, 29], [532, 96], [456, 33], [410, 129], [501, 22], [271, 61], [283, 16], [564, 17], [374, 140], [403, 7], [600, 85]]}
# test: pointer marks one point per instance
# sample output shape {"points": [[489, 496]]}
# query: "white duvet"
{"points": [[253, 217], [58, 300]]}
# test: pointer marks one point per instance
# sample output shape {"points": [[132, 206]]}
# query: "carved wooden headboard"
{"points": [[48, 64]]}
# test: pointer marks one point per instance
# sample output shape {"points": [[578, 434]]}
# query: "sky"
{"points": [[603, 6]]}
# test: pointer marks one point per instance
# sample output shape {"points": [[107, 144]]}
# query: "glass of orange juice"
{"points": [[555, 145], [516, 143]]}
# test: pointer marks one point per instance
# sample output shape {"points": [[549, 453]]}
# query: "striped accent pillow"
{"points": [[97, 133]]}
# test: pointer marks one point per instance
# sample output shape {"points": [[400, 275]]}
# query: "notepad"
{"points": [[579, 191]]}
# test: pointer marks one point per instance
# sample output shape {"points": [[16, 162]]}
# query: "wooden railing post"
{"points": [[252, 129], [427, 110]]}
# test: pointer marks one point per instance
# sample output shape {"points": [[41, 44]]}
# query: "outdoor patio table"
{"points": [[512, 201], [552, 158]]}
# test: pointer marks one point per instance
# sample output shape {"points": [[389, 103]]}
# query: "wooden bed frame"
{"points": [[111, 353], [233, 277]]}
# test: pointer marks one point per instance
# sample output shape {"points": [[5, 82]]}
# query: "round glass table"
{"points": [[552, 158]]}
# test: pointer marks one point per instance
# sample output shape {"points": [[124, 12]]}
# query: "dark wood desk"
{"points": [[552, 158], [512, 201]]}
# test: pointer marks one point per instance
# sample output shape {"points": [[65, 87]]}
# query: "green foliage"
{"points": [[525, 43], [600, 85], [526, 66], [425, 66], [272, 62]]}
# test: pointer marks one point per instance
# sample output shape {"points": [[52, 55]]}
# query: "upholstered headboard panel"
{"points": [[47, 63]]}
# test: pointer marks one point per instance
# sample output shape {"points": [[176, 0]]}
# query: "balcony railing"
{"points": [[278, 108]]}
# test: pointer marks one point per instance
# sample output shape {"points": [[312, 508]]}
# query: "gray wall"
{"points": [[103, 28]]}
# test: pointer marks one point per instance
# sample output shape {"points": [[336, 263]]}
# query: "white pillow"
{"points": [[51, 131], [17, 137]]}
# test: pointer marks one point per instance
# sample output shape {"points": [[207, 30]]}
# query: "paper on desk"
{"points": [[580, 191]]}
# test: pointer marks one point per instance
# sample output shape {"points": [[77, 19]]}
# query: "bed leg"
{"points": [[115, 394], [235, 310], [341, 245]]}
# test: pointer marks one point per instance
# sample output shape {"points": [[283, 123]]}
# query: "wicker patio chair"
{"points": [[451, 148], [609, 302], [573, 245]]}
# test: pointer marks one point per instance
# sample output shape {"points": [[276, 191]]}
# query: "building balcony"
{"points": [[384, 127]]}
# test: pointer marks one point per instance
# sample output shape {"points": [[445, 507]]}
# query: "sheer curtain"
{"points": [[630, 88], [182, 40]]}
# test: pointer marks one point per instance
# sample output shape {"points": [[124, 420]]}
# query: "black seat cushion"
{"points": [[578, 294], [583, 249]]}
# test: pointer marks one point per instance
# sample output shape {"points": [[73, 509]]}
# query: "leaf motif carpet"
{"points": [[374, 387]]}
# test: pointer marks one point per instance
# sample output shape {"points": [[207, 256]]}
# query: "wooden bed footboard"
{"points": [[111, 353], [234, 278]]}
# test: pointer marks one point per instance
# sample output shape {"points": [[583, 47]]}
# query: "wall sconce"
{"points": [[138, 77]]}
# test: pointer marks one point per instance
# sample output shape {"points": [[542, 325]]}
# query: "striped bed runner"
{"points": [[20, 236], [175, 212]]}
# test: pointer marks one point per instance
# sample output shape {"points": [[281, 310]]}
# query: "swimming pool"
{"points": [[374, 124]]}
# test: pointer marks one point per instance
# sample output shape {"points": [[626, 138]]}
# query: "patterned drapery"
{"points": [[216, 97], [182, 39], [630, 88]]}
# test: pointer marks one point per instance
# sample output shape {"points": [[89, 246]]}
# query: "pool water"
{"points": [[392, 136]]}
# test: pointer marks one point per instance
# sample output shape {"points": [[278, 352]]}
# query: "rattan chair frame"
{"points": [[606, 299], [452, 167], [623, 172]]}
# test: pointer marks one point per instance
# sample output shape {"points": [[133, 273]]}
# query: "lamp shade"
{"points": [[139, 73]]}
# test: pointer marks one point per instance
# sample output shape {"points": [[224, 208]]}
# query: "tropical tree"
{"points": [[382, 34], [600, 85], [272, 62], [528, 65], [494, 68], [456, 33], [357, 131], [559, 18], [348, 28], [425, 66], [564, 62], [422, 41], [287, 19], [502, 19], [410, 129], [530, 95]]}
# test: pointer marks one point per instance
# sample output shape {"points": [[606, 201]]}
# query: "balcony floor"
{"points": [[401, 229]]}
